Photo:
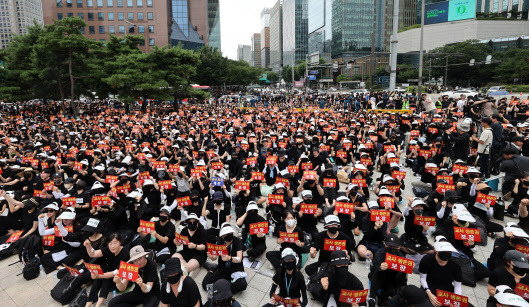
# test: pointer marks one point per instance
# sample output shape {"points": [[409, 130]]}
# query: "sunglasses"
{"points": [[50, 211], [192, 223]]}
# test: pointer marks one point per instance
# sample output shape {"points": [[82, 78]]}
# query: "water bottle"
{"points": [[42, 272], [163, 268], [55, 279], [114, 294], [368, 262]]}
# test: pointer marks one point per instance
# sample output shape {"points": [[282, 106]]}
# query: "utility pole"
{"points": [[446, 73], [394, 45], [373, 43], [293, 65], [307, 72], [421, 56]]}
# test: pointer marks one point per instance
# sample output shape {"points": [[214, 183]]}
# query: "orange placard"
{"points": [[73, 271], [424, 220], [123, 189], [486, 199], [334, 245], [288, 237], [399, 174], [257, 228], [286, 302], [14, 236], [522, 290], [306, 166], [353, 297], [271, 160], [329, 182], [48, 186], [309, 175], [217, 165], [449, 179], [341, 154], [58, 232], [362, 183], [111, 179], [393, 188], [128, 271], [308, 208], [443, 187], [165, 184], [366, 161], [144, 175], [257, 176], [523, 249], [251, 161], [275, 199], [146, 226], [431, 170], [344, 208], [461, 233], [459, 168], [158, 165], [293, 169], [380, 215], [386, 201], [68, 201], [217, 250], [283, 181], [100, 201], [48, 240], [196, 172], [94, 268], [242, 185], [451, 299], [399, 264], [184, 201], [181, 239]]}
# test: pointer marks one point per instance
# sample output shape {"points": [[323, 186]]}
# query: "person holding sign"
{"points": [[111, 256], [409, 296], [289, 280], [439, 272], [147, 289], [481, 206], [308, 213], [218, 211], [28, 220], [289, 236], [414, 240], [374, 235], [178, 290], [345, 212], [515, 238], [193, 254], [278, 202], [519, 192], [506, 297], [339, 279], [254, 243], [47, 221], [163, 235], [229, 266], [330, 184], [514, 271]]}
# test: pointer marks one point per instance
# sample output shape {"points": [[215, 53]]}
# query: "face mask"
{"points": [[195, 200], [192, 226], [311, 182], [516, 241], [27, 176], [289, 265], [418, 211], [332, 230], [218, 202], [163, 218], [445, 256], [392, 250], [518, 271], [79, 187], [483, 191], [341, 272], [526, 182], [228, 237], [290, 223], [173, 279], [472, 176]]}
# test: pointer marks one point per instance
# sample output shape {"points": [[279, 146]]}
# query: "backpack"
{"points": [[68, 287], [29, 248], [315, 288], [31, 269], [80, 300]]}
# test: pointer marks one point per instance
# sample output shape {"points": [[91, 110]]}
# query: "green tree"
{"points": [[211, 69]]}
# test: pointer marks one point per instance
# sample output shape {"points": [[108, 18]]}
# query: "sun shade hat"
{"points": [[137, 252]]}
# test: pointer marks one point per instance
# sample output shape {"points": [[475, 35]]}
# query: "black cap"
{"points": [[413, 295], [172, 266], [509, 151], [339, 258], [392, 240], [487, 120], [221, 289], [69, 180], [57, 175], [518, 258]]}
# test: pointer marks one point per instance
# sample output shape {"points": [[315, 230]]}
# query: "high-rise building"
{"points": [[320, 28], [117, 17], [504, 7], [265, 37], [276, 36], [244, 53], [295, 31], [16, 16], [189, 23], [256, 50], [214, 24]]}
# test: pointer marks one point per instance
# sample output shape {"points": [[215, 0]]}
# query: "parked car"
{"points": [[458, 93], [495, 89]]}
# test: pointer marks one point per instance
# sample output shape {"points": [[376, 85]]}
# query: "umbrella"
{"points": [[499, 93]]}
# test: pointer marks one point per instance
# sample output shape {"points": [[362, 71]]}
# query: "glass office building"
{"points": [[295, 31], [182, 31], [276, 36], [320, 27], [214, 24]]}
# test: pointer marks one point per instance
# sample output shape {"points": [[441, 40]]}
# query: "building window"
{"points": [[139, 3], [101, 16], [69, 3], [129, 3], [150, 16], [103, 40], [111, 29], [91, 30], [110, 16], [140, 16], [149, 3], [59, 3], [101, 29], [110, 3], [151, 29], [70, 14], [121, 29], [59, 16], [141, 29], [80, 15], [99, 3], [142, 42], [82, 30], [151, 41], [130, 16], [120, 3], [121, 16], [79, 3], [90, 16], [90, 3], [131, 29]]}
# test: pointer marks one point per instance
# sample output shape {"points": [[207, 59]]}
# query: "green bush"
{"points": [[517, 88]]}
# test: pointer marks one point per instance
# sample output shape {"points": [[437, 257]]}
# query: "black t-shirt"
{"points": [[28, 219], [110, 262], [500, 276], [217, 217], [289, 285], [440, 277], [233, 248], [325, 255], [149, 273], [200, 237], [188, 297], [167, 230], [293, 246]]}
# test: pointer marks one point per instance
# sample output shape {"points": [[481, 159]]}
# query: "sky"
{"points": [[239, 19]]}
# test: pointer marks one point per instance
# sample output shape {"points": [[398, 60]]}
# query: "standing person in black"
{"points": [[193, 255], [461, 141], [147, 289], [229, 266]]}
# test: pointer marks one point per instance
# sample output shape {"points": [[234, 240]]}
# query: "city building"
{"points": [[198, 23], [504, 8], [295, 31], [320, 28], [256, 50], [441, 34], [276, 36], [16, 16], [265, 37], [214, 24], [117, 17], [244, 53]]}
